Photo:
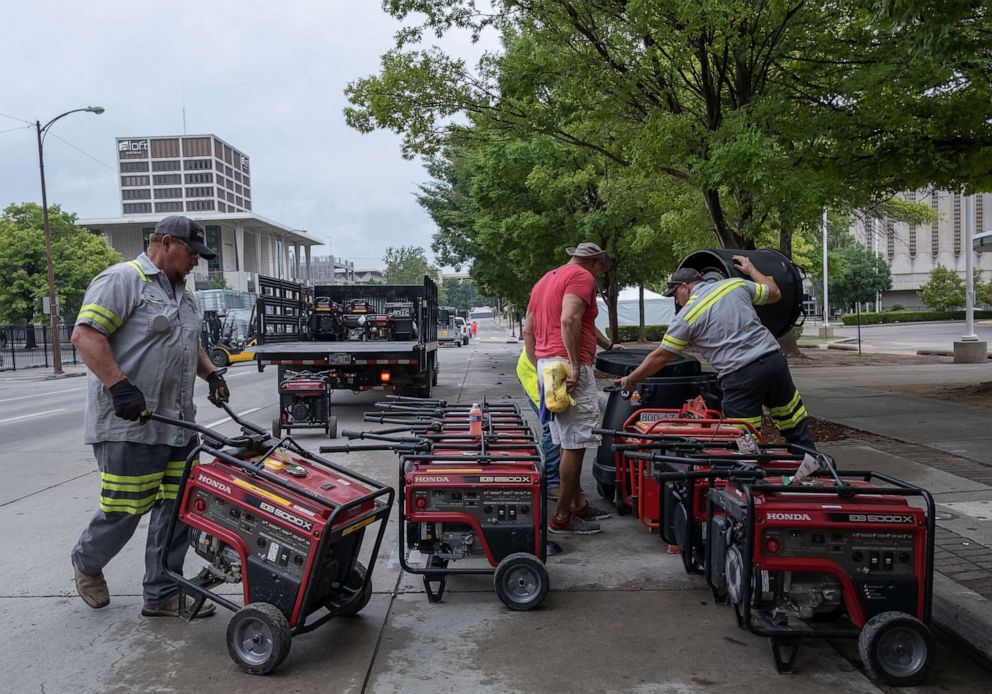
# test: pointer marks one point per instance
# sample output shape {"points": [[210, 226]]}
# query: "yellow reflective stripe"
{"points": [[674, 340], [753, 421], [708, 302], [114, 319], [785, 409], [137, 266], [97, 318], [760, 293], [131, 479], [137, 508], [168, 491], [116, 487], [674, 343], [792, 421]]}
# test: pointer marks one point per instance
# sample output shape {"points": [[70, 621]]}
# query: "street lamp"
{"points": [[52, 301]]}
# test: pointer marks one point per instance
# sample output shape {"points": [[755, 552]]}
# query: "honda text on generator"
{"points": [[304, 403], [833, 555], [468, 497], [326, 338], [286, 524]]}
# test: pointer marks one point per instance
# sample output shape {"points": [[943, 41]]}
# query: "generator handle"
{"points": [[349, 448], [406, 398], [726, 474], [235, 441], [373, 436], [419, 421]]}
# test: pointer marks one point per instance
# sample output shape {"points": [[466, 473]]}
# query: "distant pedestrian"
{"points": [[475, 327]]}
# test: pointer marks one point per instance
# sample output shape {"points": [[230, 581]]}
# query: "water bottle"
{"points": [[475, 420]]}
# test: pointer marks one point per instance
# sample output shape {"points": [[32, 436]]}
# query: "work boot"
{"points": [[171, 609], [92, 588]]}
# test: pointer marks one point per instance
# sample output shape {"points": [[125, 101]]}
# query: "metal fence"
{"points": [[30, 347]]}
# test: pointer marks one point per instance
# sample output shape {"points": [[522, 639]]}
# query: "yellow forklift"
{"points": [[237, 339]]}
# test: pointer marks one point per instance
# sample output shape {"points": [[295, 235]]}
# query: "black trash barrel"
{"points": [[682, 379], [718, 264]]}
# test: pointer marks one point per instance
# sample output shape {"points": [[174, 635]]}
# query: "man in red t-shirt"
{"points": [[560, 325]]}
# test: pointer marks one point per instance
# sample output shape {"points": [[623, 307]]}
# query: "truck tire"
{"points": [[331, 428]]}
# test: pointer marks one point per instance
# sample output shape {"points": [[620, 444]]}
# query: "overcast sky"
{"points": [[267, 77]]}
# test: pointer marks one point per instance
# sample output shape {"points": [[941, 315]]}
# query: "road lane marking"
{"points": [[29, 416], [41, 395], [228, 419]]}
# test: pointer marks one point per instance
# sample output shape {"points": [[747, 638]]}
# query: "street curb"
{"points": [[844, 347], [964, 613]]}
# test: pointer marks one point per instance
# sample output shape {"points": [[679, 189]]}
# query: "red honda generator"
{"points": [[378, 327], [838, 554], [304, 403], [480, 500], [287, 525], [648, 428]]}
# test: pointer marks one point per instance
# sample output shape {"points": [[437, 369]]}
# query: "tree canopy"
{"points": [[407, 265], [78, 256]]}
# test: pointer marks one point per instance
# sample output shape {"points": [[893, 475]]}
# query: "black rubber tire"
{"points": [[606, 491], [258, 638], [276, 428], [358, 576], [521, 581], [331, 427], [218, 357], [896, 649]]}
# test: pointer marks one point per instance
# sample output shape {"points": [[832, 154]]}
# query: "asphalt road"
{"points": [[622, 615], [906, 338]]}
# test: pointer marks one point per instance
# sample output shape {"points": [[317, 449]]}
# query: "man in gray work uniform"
{"points": [[718, 319], [138, 332]]}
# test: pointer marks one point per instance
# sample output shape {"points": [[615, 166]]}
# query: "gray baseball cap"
{"points": [[586, 249], [185, 229], [683, 275]]}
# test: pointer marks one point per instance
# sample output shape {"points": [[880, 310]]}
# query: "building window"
{"points": [[240, 202], [199, 205], [196, 146], [956, 216], [979, 213], [137, 207], [165, 149], [168, 207], [134, 166], [166, 193], [134, 180], [230, 197], [200, 178], [213, 239], [228, 171], [221, 207], [238, 189], [170, 165], [200, 192], [890, 238], [219, 166], [247, 182], [197, 164], [146, 234], [136, 194], [237, 176], [167, 179], [935, 226], [247, 193], [248, 204]]}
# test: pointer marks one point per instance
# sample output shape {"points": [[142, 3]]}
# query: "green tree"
{"points": [[407, 265], [461, 294], [983, 290], [77, 256], [767, 112], [864, 276], [945, 290]]}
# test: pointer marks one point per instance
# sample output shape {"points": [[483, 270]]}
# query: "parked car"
{"points": [[462, 325]]}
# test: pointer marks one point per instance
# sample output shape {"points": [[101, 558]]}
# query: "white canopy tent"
{"points": [[658, 309]]}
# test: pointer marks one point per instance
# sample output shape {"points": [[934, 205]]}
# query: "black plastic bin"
{"points": [[682, 379], [718, 264]]}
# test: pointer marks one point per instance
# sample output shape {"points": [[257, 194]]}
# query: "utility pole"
{"points": [[825, 330], [969, 349]]}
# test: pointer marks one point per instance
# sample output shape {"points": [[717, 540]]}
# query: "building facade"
{"points": [[182, 174], [913, 251]]}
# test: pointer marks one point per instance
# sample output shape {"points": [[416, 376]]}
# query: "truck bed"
{"points": [[357, 347]]}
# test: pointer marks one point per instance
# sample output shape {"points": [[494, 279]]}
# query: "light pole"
{"points": [[52, 300]]}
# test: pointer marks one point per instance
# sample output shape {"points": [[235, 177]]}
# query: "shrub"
{"points": [[908, 316], [653, 333]]}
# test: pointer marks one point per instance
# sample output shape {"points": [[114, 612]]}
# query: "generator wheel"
{"points": [[606, 491], [521, 581], [358, 577], [218, 357], [276, 428], [258, 638], [896, 648], [734, 570], [331, 427]]}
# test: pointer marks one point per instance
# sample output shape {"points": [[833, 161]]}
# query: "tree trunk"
{"points": [[785, 233], [790, 343], [29, 339], [612, 292], [641, 332]]}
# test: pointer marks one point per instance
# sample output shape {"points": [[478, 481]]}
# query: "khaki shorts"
{"points": [[572, 429]]}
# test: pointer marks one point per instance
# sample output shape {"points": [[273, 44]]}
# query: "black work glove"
{"points": [[219, 391], [129, 403]]}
